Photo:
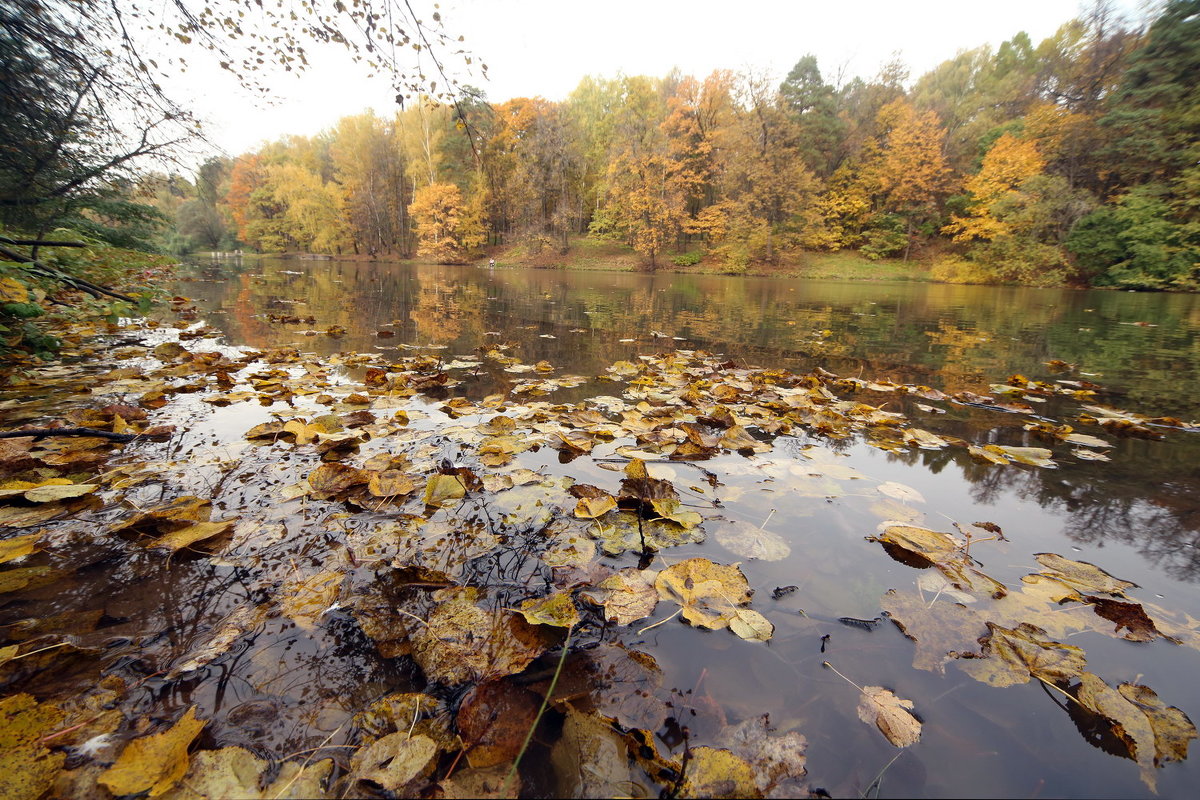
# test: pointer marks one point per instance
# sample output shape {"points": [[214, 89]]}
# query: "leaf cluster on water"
{"points": [[413, 492]]}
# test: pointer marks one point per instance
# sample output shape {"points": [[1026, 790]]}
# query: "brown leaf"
{"points": [[629, 595], [494, 719], [891, 714], [1082, 575], [942, 631], [463, 642], [330, 480], [1013, 656], [1130, 616]]}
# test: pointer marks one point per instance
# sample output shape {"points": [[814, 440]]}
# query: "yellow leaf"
{"points": [[593, 507], [190, 535], [50, 494], [557, 610], [154, 763], [18, 547], [441, 490], [27, 767]]}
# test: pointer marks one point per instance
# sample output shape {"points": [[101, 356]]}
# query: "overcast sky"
{"points": [[544, 47]]}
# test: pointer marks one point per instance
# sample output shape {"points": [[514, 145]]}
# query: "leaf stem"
{"points": [[843, 677]]}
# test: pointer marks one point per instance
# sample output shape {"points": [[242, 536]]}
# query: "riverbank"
{"points": [[592, 254]]}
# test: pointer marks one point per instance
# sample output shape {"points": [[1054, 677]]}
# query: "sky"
{"points": [[544, 47]]}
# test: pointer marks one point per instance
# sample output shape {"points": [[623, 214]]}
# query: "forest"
{"points": [[1073, 161]]}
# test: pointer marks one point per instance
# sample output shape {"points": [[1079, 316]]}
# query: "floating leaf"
{"points": [[27, 767], [1129, 723], [239, 622], [18, 547], [191, 535], [715, 772], [1013, 656], [942, 631], [330, 480], [393, 761], [1130, 616], [390, 483], [710, 595], [670, 510], [892, 715], [1033, 456], [751, 625], [778, 760], [625, 530], [1082, 575], [306, 599], [442, 490], [12, 580], [495, 718], [593, 507], [557, 610], [52, 493], [462, 642], [236, 772], [629, 595], [154, 763], [752, 542], [928, 545], [899, 491]]}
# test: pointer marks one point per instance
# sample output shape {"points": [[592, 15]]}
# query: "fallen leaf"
{"points": [[589, 758], [1130, 616], [1082, 575], [629, 595], [1013, 656], [593, 507], [191, 535], [442, 490], [156, 762], [557, 610], [718, 773], [330, 480], [463, 642], [27, 767], [710, 595], [752, 542], [898, 491], [494, 719], [18, 547], [304, 600], [236, 772], [891, 714], [778, 760], [942, 630], [393, 761], [53, 493]]}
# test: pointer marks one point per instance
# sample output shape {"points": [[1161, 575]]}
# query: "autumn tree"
{"points": [[448, 229], [369, 172], [1008, 164], [909, 174]]}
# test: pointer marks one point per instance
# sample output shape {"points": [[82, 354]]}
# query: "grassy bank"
{"points": [[591, 254]]}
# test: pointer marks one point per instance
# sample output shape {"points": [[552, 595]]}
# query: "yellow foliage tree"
{"points": [[448, 228], [1009, 163]]}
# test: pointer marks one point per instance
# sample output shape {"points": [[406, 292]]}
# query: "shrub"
{"points": [[686, 259]]}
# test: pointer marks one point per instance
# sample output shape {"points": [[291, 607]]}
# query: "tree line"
{"points": [[1075, 160]]}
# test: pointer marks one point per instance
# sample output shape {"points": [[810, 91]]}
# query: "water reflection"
{"points": [[1144, 349]]}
